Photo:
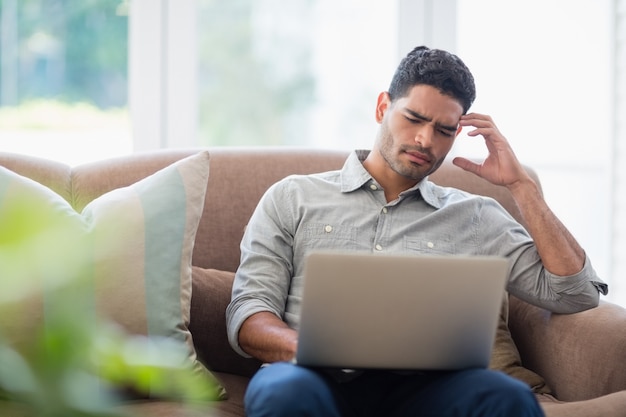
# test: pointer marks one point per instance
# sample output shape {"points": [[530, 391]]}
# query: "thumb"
{"points": [[467, 165]]}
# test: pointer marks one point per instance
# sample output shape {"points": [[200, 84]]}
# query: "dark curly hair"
{"points": [[440, 69]]}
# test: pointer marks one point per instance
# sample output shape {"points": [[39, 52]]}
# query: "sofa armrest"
{"points": [[581, 355]]}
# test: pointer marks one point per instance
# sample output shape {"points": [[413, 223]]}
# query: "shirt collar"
{"points": [[354, 176]]}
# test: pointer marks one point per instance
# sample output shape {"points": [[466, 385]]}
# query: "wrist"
{"points": [[525, 186]]}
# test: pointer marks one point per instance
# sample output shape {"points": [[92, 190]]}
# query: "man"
{"points": [[382, 201]]}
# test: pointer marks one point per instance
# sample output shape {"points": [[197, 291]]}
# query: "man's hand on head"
{"points": [[501, 166]]}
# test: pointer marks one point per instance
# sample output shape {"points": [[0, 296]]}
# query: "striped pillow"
{"points": [[138, 241]]}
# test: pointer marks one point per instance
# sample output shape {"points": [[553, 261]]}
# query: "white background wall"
{"points": [[618, 156], [544, 72]]}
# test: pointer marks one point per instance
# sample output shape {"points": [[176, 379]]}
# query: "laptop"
{"points": [[401, 312]]}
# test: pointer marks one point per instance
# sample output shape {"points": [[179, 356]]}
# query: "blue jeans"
{"points": [[284, 389]]}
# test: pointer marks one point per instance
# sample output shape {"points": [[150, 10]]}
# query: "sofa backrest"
{"points": [[238, 177]]}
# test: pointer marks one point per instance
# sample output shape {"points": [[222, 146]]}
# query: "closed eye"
{"points": [[446, 133], [443, 129]]}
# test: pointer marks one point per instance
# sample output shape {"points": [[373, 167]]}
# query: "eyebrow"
{"points": [[428, 119]]}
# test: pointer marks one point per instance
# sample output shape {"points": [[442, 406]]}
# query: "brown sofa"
{"points": [[582, 357]]}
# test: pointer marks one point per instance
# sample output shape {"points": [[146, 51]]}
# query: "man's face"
{"points": [[417, 131]]}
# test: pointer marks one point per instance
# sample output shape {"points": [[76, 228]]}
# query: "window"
{"points": [[63, 84], [259, 72]]}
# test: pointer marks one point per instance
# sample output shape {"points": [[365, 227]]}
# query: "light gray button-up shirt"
{"points": [[347, 210]]}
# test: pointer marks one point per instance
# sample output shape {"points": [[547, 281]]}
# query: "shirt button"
{"points": [[328, 228], [385, 210], [379, 248], [430, 245], [373, 187]]}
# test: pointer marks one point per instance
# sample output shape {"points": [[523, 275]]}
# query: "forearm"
{"points": [[267, 338], [559, 251]]}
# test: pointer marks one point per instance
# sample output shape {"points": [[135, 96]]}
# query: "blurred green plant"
{"points": [[69, 363]]}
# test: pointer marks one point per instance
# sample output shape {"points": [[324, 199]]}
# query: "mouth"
{"points": [[418, 157]]}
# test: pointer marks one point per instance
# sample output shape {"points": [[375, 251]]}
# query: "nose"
{"points": [[424, 136]]}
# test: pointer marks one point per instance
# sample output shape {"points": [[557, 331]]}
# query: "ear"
{"points": [[383, 103]]}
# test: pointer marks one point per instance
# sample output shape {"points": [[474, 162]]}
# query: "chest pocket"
{"points": [[329, 236], [440, 244]]}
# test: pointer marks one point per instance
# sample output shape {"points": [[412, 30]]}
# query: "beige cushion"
{"points": [[132, 245], [211, 295], [506, 357]]}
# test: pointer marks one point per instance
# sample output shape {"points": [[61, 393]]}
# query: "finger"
{"points": [[477, 116], [477, 120], [486, 132], [477, 123]]}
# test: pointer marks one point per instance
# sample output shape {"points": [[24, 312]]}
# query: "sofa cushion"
{"points": [[138, 241], [506, 358], [210, 297]]}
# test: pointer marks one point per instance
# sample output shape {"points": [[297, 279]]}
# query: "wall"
{"points": [[619, 157]]}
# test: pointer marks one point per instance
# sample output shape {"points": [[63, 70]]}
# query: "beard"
{"points": [[391, 153]]}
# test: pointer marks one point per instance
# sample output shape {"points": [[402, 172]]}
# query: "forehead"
{"points": [[431, 103]]}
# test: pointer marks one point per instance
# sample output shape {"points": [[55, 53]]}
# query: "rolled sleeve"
{"points": [[569, 294]]}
